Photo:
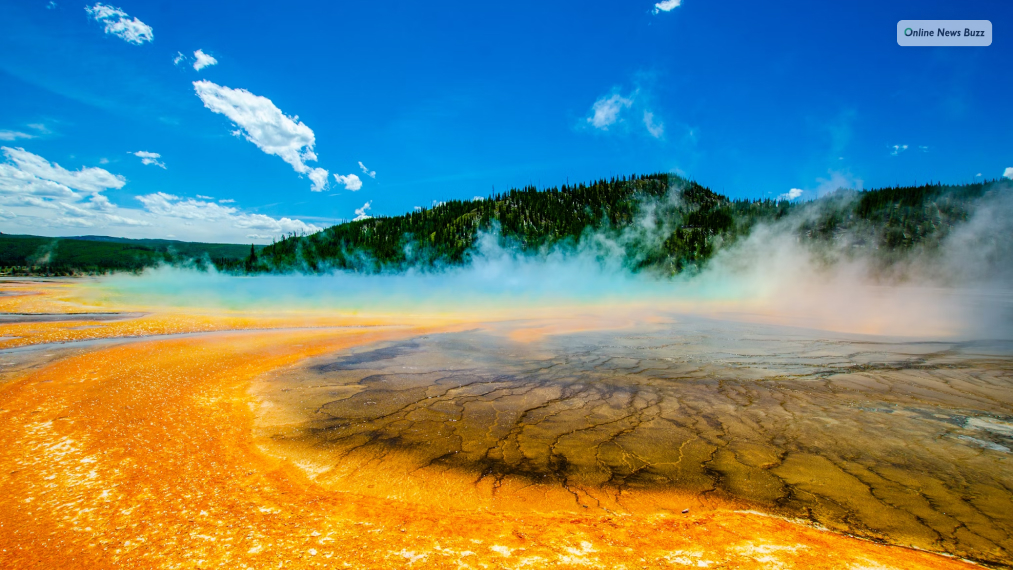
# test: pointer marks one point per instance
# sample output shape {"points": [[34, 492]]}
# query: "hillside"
{"points": [[660, 222], [34, 255]]}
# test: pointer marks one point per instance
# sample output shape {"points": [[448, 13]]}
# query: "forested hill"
{"points": [[660, 222], [36, 255]]}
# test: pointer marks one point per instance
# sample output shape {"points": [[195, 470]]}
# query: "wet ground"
{"points": [[204, 438], [904, 442], [65, 317]]}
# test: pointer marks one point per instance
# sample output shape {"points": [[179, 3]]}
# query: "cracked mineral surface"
{"points": [[198, 438], [903, 442]]}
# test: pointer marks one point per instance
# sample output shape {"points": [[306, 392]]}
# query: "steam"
{"points": [[43, 254], [960, 288]]}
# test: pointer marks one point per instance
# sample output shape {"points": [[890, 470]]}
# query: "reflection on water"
{"points": [[906, 442]]}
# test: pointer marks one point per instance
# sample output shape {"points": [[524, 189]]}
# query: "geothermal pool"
{"points": [[901, 441], [188, 437]]}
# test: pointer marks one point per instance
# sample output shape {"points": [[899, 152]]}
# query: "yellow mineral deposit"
{"points": [[204, 439]]}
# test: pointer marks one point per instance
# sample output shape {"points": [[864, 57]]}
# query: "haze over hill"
{"points": [[660, 224], [931, 261]]}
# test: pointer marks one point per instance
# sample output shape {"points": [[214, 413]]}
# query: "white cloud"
{"points": [[34, 186], [609, 112], [656, 129], [666, 5], [605, 111], [14, 135], [923, 148], [319, 178], [360, 213], [202, 197], [366, 171], [51, 5], [179, 58], [897, 149], [263, 124], [202, 60], [1008, 173], [225, 201], [119, 24], [43, 197], [478, 199], [169, 206], [351, 181], [149, 158], [977, 175], [88, 180], [790, 194]]}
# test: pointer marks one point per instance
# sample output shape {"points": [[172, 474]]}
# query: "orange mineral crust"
{"points": [[33, 313], [141, 455]]}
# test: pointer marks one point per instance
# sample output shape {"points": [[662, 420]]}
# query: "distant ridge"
{"points": [[144, 241], [36, 255]]}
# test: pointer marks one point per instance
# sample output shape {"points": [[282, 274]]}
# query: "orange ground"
{"points": [[141, 455]]}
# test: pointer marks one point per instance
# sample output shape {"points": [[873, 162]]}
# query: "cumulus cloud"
{"points": [[1008, 173], [666, 5], [119, 24], [897, 149], [656, 129], [319, 178], [202, 60], [790, 194], [265, 125], [149, 158], [32, 184], [366, 171], [605, 111], [360, 213], [88, 180], [43, 196], [351, 181], [170, 206], [179, 58], [225, 201]]}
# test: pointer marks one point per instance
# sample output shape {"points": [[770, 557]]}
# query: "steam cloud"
{"points": [[959, 290]]}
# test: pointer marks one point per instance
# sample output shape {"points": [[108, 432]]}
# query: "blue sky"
{"points": [[451, 100]]}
